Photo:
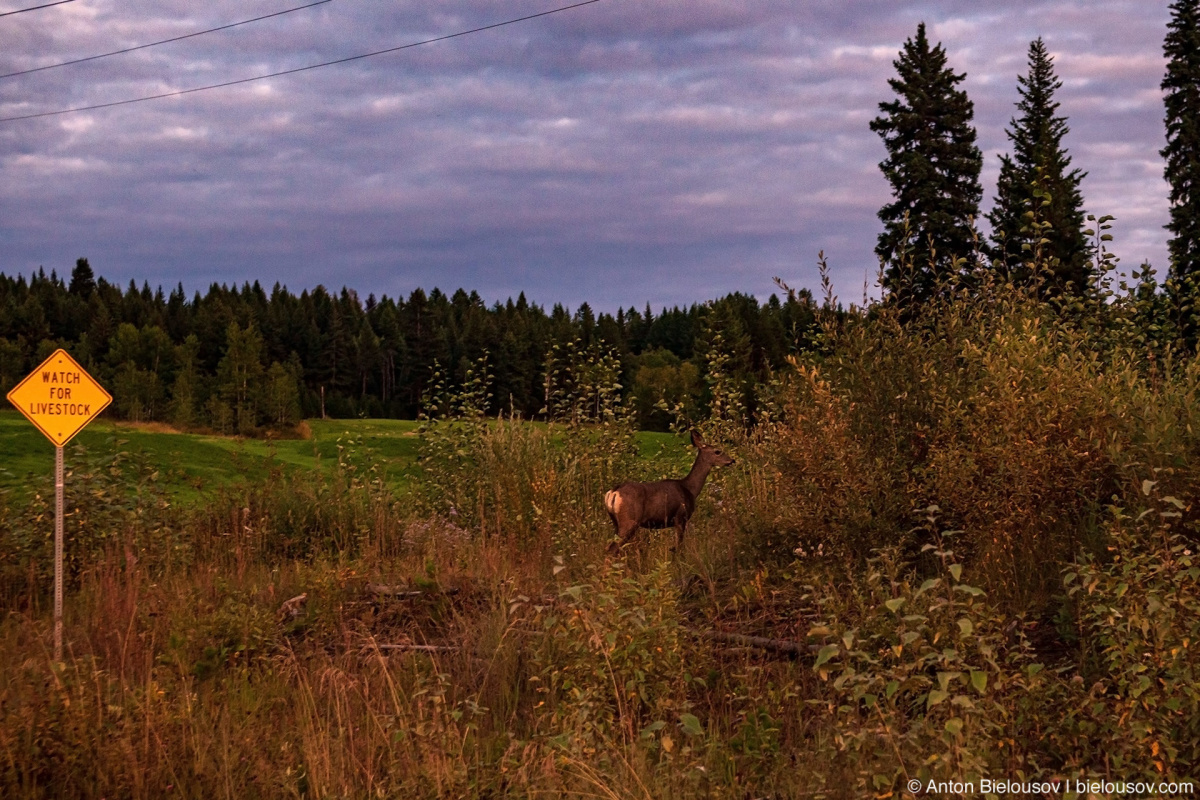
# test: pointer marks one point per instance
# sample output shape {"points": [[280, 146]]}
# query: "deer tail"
{"points": [[612, 501]]}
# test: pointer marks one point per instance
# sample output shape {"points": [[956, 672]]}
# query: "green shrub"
{"points": [[110, 501], [1018, 422], [1134, 711], [926, 679], [613, 671]]}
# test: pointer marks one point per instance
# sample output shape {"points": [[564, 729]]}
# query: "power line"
{"points": [[34, 8], [164, 41], [299, 69]]}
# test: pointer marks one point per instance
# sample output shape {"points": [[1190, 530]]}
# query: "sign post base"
{"points": [[58, 552]]}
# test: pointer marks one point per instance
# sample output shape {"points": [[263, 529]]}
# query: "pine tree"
{"points": [[83, 280], [1181, 95], [933, 166], [1038, 212]]}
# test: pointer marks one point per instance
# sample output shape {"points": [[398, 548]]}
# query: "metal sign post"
{"points": [[60, 398], [58, 551]]}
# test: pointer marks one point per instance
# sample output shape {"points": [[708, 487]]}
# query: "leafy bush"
{"points": [[109, 501], [609, 665], [1135, 708], [1020, 424], [926, 679]]}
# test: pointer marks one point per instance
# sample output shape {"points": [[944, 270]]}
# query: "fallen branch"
{"points": [[398, 591], [793, 649], [292, 608], [414, 648]]}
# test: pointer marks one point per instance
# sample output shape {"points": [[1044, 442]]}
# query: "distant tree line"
{"points": [[242, 359], [1038, 237]]}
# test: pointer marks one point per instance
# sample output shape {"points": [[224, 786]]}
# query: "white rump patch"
{"points": [[612, 501]]}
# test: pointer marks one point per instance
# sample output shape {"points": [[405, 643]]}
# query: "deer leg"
{"points": [[623, 537], [680, 529]]}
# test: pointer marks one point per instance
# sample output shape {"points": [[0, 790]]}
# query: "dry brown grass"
{"points": [[146, 427]]}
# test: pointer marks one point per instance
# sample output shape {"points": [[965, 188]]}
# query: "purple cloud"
{"points": [[618, 153]]}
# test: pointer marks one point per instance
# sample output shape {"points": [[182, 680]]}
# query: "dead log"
{"points": [[412, 648], [792, 649], [401, 592]]}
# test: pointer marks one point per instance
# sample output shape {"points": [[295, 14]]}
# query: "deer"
{"points": [[661, 504]]}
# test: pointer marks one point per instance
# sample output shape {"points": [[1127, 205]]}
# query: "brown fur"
{"points": [[661, 504]]}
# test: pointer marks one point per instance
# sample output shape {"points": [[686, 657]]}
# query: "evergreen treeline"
{"points": [[930, 242], [240, 359]]}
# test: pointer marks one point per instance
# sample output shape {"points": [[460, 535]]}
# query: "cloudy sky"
{"points": [[622, 152]]}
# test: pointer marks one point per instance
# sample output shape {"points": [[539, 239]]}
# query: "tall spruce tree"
{"points": [[933, 165], [1181, 94], [1038, 214], [83, 280]]}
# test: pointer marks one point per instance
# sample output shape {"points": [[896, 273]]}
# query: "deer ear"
{"points": [[696, 440]]}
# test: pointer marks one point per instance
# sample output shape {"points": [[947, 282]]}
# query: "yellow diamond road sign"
{"points": [[59, 397]]}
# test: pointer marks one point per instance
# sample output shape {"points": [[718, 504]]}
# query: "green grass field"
{"points": [[193, 464]]}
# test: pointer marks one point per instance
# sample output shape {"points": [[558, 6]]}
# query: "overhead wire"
{"points": [[296, 70], [34, 8], [163, 41]]}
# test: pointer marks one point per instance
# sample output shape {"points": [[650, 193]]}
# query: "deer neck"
{"points": [[694, 481]]}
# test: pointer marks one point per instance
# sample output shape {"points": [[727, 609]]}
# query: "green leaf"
{"points": [[979, 680], [827, 652], [891, 689], [954, 726], [955, 571], [966, 626], [652, 728], [944, 679], [935, 697], [894, 604], [690, 725]]}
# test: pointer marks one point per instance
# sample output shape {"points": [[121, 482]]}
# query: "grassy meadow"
{"points": [[952, 548], [190, 465]]}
